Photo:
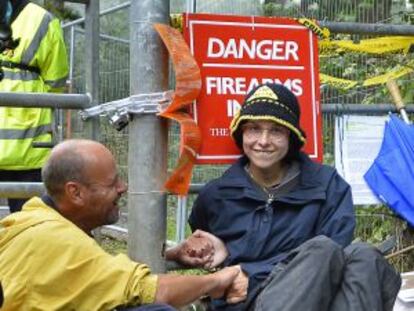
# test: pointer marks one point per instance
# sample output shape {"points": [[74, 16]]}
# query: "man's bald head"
{"points": [[71, 160]]}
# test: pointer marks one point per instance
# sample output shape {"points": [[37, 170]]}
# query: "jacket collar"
{"points": [[309, 188]]}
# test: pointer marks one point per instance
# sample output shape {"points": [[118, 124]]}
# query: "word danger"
{"points": [[253, 49], [241, 86]]}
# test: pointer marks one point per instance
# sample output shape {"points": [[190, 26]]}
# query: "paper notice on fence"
{"points": [[357, 143], [405, 298], [406, 293]]}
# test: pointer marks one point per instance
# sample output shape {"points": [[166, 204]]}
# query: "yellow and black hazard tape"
{"points": [[176, 21], [322, 33], [337, 83], [346, 84], [381, 45]]}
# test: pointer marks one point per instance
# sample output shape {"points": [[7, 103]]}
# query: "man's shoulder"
{"points": [[36, 219]]}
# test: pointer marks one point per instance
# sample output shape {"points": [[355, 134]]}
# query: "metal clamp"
{"points": [[119, 111]]}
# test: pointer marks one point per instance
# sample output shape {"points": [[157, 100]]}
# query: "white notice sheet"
{"points": [[357, 142]]}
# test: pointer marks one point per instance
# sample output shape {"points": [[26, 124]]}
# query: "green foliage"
{"points": [[376, 223], [278, 9], [60, 11]]}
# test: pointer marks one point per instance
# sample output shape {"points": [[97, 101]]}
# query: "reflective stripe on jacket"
{"points": [[41, 46]]}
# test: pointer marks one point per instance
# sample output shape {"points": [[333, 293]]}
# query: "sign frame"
{"points": [[192, 24]]}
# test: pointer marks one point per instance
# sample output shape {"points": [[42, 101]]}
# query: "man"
{"points": [[49, 261], [286, 220], [38, 64]]}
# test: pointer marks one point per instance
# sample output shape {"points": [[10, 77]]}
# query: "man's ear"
{"points": [[74, 192]]}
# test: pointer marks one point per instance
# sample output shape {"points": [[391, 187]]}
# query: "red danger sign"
{"points": [[235, 54]]}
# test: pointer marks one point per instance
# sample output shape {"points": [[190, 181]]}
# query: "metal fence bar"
{"points": [[44, 100], [369, 29], [104, 12], [71, 53], [29, 189], [92, 62], [362, 109], [105, 37], [21, 189], [181, 218]]}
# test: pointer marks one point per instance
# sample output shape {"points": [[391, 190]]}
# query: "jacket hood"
{"points": [[16, 223]]}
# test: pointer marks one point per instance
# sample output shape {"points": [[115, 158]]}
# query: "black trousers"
{"points": [[322, 276], [34, 175]]}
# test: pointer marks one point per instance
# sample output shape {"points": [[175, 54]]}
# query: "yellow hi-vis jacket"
{"points": [[41, 46]]}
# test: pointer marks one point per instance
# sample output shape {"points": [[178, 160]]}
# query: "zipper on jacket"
{"points": [[268, 207]]}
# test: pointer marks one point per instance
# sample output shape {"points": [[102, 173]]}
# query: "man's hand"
{"points": [[194, 251], [223, 280], [220, 251], [180, 290], [238, 290], [201, 249]]}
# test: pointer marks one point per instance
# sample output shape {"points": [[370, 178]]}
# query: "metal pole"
{"points": [[71, 53], [181, 218], [106, 37], [369, 29], [361, 108], [105, 12], [15, 190], [92, 61], [147, 157], [45, 100], [68, 129], [191, 6]]}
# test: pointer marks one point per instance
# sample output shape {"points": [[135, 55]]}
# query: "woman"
{"points": [[286, 220]]}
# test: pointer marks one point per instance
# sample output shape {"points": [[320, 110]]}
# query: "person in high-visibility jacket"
{"points": [[38, 64]]}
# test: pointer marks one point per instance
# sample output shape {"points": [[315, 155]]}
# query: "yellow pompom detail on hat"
{"points": [[263, 92]]}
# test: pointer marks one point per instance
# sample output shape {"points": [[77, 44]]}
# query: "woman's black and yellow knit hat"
{"points": [[273, 102]]}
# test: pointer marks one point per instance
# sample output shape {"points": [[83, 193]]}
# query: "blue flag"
{"points": [[391, 176]]}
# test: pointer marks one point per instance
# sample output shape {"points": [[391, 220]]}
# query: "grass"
{"points": [[113, 246]]}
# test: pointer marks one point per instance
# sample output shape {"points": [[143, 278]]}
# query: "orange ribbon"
{"points": [[187, 88]]}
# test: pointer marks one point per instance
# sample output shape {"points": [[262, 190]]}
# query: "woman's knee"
{"points": [[324, 245], [361, 250]]}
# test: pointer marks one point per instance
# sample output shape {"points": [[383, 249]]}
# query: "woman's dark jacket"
{"points": [[259, 232]]}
